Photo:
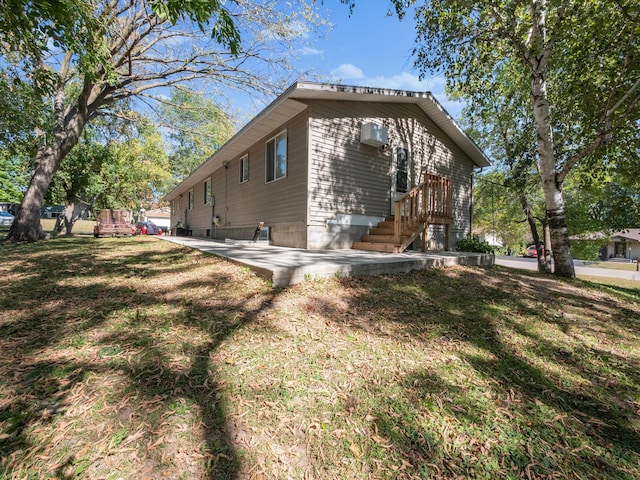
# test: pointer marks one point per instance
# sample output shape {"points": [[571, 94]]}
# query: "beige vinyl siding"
{"points": [[198, 219], [349, 177], [346, 177], [279, 203]]}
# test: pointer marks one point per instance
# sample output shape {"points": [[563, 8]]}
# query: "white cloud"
{"points": [[408, 81], [401, 81], [310, 51], [346, 71]]}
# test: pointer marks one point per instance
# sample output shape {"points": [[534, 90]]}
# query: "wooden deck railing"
{"points": [[427, 203]]}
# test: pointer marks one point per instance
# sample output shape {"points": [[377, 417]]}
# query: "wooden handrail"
{"points": [[428, 202]]}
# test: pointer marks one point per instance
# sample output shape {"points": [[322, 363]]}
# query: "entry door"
{"points": [[399, 175]]}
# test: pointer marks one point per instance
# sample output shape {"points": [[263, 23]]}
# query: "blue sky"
{"points": [[372, 48]]}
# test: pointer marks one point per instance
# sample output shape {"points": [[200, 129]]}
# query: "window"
{"points": [[244, 168], [190, 199], [277, 157], [207, 191]]}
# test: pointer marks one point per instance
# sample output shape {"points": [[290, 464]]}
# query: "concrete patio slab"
{"points": [[285, 266]]}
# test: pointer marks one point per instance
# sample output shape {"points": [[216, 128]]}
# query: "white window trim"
{"points": [[266, 158], [244, 157]]}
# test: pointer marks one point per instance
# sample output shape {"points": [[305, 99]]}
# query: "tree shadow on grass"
{"points": [[73, 335], [557, 402]]}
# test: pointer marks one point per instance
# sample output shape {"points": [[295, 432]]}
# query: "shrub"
{"points": [[586, 249], [473, 244]]}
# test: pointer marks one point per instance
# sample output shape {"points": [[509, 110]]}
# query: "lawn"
{"points": [[632, 267], [137, 358], [81, 227]]}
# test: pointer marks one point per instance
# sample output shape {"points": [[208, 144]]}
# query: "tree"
{"points": [[104, 51], [138, 174], [497, 210], [605, 202], [581, 58], [73, 178], [197, 128], [13, 176], [498, 120]]}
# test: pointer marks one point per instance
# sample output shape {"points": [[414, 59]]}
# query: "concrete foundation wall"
{"points": [[284, 235], [334, 236]]}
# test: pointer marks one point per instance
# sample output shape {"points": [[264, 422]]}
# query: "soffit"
{"points": [[270, 119]]}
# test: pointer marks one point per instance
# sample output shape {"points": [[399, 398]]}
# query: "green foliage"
{"points": [[497, 209], [21, 112], [473, 244], [604, 200], [14, 175], [78, 170], [137, 173], [212, 14], [587, 249], [197, 128]]}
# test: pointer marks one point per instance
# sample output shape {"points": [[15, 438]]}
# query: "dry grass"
{"points": [[137, 358], [630, 267]]}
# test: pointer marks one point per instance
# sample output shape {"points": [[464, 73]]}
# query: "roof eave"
{"points": [[286, 106]]}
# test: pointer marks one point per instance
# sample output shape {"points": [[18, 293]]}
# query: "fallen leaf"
{"points": [[383, 442], [355, 450]]}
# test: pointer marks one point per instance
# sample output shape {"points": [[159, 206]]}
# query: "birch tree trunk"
{"points": [[551, 186]]}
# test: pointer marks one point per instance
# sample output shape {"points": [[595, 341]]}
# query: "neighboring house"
{"points": [[324, 164], [80, 209], [51, 211], [160, 216], [621, 244], [624, 244]]}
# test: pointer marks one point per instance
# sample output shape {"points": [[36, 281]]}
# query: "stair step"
{"points": [[380, 231], [386, 224], [377, 247], [381, 238]]}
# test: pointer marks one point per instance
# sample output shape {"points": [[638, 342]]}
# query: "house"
{"points": [[623, 244], [160, 216], [81, 210], [51, 211], [328, 166]]}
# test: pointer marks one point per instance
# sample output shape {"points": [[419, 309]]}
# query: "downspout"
{"points": [[226, 185]]}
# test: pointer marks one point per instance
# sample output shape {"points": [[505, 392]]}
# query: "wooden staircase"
{"points": [[382, 239], [426, 204]]}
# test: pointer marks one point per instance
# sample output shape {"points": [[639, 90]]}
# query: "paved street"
{"points": [[532, 264]]}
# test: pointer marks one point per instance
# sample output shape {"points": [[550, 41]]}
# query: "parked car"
{"points": [[531, 251], [6, 219], [148, 228]]}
